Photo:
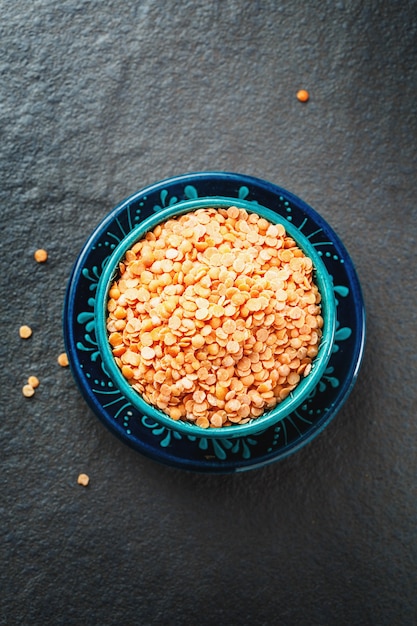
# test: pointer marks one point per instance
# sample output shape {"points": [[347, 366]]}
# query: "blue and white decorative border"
{"points": [[116, 405]]}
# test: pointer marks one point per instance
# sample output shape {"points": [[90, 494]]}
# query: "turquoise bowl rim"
{"points": [[305, 386]]}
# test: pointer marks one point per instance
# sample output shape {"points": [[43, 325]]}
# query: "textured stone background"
{"points": [[100, 99]]}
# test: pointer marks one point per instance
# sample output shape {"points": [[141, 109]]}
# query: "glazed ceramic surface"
{"points": [[209, 454], [304, 387]]}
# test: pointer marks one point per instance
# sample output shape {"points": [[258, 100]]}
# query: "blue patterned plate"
{"points": [[203, 454]]}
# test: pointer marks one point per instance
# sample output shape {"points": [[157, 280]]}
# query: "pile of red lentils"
{"points": [[215, 316]]}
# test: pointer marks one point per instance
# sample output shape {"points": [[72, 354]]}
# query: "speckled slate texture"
{"points": [[101, 99]]}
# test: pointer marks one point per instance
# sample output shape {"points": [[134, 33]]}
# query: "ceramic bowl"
{"points": [[284, 408]]}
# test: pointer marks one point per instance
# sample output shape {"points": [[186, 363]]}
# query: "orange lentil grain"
{"points": [[25, 331], [28, 390], [175, 413], [63, 359], [303, 95], [83, 480], [33, 381], [40, 255]]}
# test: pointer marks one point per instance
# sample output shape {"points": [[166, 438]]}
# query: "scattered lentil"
{"points": [[41, 255], [83, 479], [63, 359], [33, 381], [25, 332], [303, 95], [215, 316], [28, 391]]}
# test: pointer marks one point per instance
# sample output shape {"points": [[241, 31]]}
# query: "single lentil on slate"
{"points": [[303, 95], [215, 316], [83, 479], [40, 255], [63, 359], [25, 331], [28, 391], [33, 381]]}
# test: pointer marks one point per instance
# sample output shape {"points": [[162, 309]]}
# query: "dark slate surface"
{"points": [[101, 99]]}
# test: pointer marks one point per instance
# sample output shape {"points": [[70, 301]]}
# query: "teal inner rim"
{"points": [[305, 386]]}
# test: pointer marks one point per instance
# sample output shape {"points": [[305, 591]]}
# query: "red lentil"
{"points": [[33, 381], [28, 390], [40, 255], [303, 95], [63, 359], [25, 332], [83, 479]]}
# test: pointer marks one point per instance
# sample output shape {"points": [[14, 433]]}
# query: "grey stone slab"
{"points": [[100, 99]]}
